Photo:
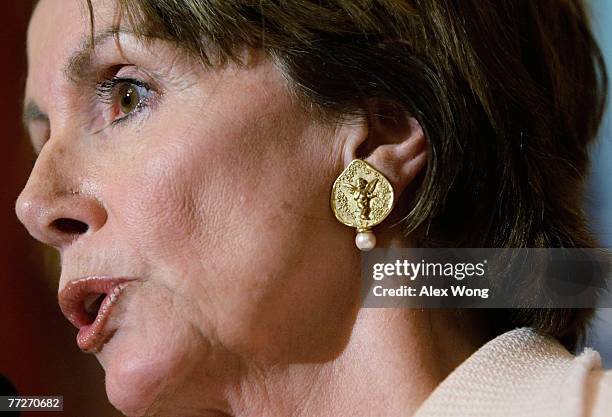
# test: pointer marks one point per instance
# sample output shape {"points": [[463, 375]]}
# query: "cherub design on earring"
{"points": [[362, 198]]}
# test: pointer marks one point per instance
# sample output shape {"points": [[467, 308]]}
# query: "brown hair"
{"points": [[509, 94]]}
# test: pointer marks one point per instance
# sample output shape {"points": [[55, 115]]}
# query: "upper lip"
{"points": [[81, 298]]}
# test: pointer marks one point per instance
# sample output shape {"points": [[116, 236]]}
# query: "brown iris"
{"points": [[129, 98]]}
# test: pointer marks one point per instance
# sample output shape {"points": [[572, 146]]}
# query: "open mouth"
{"points": [[92, 305], [88, 303]]}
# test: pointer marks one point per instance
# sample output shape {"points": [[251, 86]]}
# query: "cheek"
{"points": [[239, 215]]}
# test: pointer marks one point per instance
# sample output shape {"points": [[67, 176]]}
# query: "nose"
{"points": [[61, 220], [53, 213]]}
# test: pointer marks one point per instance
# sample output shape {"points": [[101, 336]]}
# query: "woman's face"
{"points": [[213, 194]]}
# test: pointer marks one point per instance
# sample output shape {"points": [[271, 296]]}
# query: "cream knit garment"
{"points": [[523, 374]]}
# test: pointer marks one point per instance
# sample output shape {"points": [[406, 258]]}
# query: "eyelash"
{"points": [[105, 90]]}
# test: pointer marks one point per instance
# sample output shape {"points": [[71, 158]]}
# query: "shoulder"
{"points": [[523, 373], [599, 394]]}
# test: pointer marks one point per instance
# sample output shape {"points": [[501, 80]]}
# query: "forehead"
{"points": [[57, 28]]}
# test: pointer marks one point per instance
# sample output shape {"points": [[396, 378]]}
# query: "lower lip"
{"points": [[93, 336]]}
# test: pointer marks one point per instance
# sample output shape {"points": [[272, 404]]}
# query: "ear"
{"points": [[390, 140]]}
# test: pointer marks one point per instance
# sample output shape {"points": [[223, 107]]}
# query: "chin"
{"points": [[138, 374], [133, 384], [144, 370]]}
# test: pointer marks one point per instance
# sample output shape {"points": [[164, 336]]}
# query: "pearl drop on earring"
{"points": [[365, 240]]}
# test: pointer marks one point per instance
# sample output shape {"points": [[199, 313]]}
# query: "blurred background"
{"points": [[600, 193], [37, 347]]}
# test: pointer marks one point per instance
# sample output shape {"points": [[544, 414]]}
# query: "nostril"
{"points": [[69, 226]]}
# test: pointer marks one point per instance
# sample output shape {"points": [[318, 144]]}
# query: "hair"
{"points": [[509, 95]]}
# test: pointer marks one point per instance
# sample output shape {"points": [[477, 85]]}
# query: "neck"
{"points": [[393, 361]]}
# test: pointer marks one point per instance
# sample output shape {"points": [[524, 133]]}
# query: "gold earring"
{"points": [[362, 198]]}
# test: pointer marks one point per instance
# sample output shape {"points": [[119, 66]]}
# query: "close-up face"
{"points": [[204, 193], [305, 208]]}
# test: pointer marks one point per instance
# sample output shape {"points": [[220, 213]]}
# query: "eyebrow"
{"points": [[79, 63], [77, 67]]}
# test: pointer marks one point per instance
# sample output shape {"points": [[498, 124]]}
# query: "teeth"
{"points": [[93, 302], [115, 293]]}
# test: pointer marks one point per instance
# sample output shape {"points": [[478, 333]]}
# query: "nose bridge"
{"points": [[43, 181], [54, 205]]}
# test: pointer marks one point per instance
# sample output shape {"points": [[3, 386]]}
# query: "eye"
{"points": [[124, 96]]}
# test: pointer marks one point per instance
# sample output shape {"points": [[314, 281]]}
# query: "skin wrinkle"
{"points": [[247, 295]]}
